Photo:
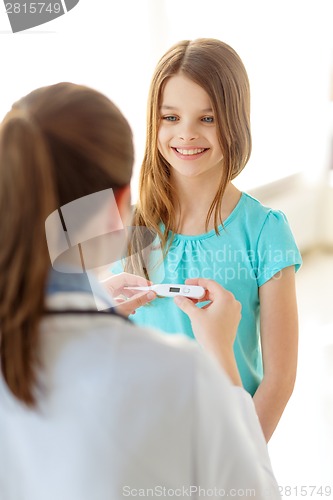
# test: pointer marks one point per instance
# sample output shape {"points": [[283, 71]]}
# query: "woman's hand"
{"points": [[128, 300], [215, 324]]}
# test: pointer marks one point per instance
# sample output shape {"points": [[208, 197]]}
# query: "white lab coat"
{"points": [[124, 412]]}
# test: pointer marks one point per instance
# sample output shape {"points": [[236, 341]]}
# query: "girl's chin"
{"points": [[177, 173]]}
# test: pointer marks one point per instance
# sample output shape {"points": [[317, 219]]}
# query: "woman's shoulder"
{"points": [[105, 334]]}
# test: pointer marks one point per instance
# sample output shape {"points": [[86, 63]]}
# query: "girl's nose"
{"points": [[188, 132]]}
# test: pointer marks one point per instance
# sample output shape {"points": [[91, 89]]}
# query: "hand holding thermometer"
{"points": [[170, 290]]}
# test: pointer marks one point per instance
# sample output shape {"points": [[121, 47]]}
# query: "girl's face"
{"points": [[187, 134]]}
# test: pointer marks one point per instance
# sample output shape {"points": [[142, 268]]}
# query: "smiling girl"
{"points": [[198, 141]]}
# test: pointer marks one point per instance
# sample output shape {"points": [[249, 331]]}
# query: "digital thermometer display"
{"points": [[169, 290]]}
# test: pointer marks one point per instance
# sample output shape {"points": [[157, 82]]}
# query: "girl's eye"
{"points": [[169, 118], [208, 119]]}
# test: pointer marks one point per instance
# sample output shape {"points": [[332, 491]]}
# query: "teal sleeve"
{"points": [[117, 267], [276, 248]]}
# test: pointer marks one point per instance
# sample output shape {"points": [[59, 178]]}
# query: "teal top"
{"points": [[255, 243]]}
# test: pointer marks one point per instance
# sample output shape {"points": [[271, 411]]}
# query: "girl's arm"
{"points": [[279, 341]]}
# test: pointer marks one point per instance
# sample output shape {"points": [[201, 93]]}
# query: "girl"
{"points": [[198, 141]]}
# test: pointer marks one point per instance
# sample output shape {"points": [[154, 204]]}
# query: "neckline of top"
{"points": [[210, 233]]}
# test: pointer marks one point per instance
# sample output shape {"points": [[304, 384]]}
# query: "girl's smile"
{"points": [[189, 153]]}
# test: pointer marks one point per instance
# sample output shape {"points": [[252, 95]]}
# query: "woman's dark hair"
{"points": [[57, 144]]}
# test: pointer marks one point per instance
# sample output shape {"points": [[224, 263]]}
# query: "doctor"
{"points": [[91, 406]]}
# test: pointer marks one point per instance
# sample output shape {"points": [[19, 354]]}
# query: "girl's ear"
{"points": [[123, 199]]}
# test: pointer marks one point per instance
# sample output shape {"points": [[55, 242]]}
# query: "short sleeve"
{"points": [[276, 247]]}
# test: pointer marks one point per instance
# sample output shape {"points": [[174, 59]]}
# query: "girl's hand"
{"points": [[215, 324], [128, 300]]}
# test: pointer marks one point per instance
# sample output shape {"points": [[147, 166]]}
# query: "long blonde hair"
{"points": [[57, 144], [218, 69]]}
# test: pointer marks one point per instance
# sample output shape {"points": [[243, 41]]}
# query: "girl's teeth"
{"points": [[189, 152]]}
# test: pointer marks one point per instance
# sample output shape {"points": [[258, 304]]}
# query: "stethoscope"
{"points": [[89, 312]]}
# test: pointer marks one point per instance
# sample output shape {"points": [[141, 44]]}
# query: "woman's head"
{"points": [[57, 144], [88, 139]]}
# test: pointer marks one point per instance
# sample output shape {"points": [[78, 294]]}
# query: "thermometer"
{"points": [[168, 290]]}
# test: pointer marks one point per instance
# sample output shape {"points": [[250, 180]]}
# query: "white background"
{"points": [[113, 46]]}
